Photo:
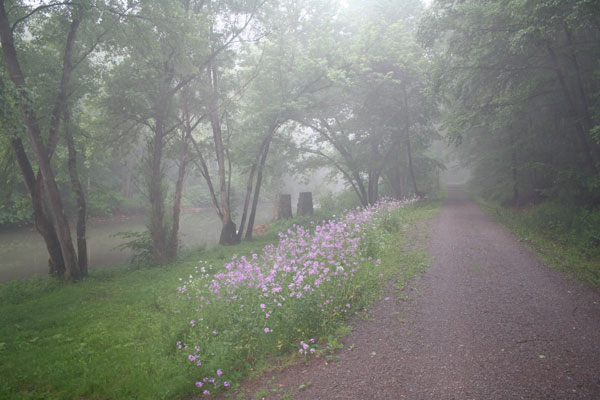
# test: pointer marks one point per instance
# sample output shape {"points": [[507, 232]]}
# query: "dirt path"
{"points": [[488, 321]]}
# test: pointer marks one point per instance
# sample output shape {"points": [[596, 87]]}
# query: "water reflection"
{"points": [[23, 253]]}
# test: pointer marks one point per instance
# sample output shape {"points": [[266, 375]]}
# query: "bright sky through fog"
{"points": [[344, 3]]}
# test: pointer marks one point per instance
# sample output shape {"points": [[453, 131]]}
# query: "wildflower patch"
{"points": [[265, 304]]}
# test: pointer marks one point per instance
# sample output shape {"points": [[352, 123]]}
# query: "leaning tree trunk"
{"points": [[41, 153], [82, 253], [56, 264], [259, 163], [259, 176], [249, 187]]}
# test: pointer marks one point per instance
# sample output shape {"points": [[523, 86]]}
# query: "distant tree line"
{"points": [[519, 88]]}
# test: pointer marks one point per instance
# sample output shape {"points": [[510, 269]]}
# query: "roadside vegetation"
{"points": [[567, 239], [519, 82], [168, 332]]}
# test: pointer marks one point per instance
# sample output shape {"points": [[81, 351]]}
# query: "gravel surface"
{"points": [[488, 321]]}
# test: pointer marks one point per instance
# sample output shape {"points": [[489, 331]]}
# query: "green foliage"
{"points": [[570, 225], [121, 326], [567, 238], [332, 203], [16, 211], [140, 244], [518, 84]]}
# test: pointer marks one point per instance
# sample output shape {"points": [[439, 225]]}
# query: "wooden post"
{"points": [[305, 204], [284, 207]]}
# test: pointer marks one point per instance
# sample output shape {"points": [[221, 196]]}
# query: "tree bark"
{"points": [[249, 187], [43, 225], [82, 253], [183, 162], [228, 232], [41, 152], [581, 136], [206, 175], [157, 226], [373, 188], [411, 169], [261, 165]]}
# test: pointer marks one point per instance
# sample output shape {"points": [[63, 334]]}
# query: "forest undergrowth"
{"points": [[566, 238]]}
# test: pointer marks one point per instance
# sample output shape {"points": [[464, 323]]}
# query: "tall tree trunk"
{"points": [[183, 162], [410, 167], [249, 187], [374, 172], [228, 231], [362, 191], [585, 107], [157, 225], [203, 168], [581, 136], [408, 148], [41, 152], [42, 223], [127, 179], [259, 163], [82, 253], [252, 218], [373, 186]]}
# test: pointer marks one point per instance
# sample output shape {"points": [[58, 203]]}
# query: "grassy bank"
{"points": [[115, 335], [568, 248]]}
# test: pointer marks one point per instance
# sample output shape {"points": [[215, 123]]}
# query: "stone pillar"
{"points": [[283, 208], [305, 204]]}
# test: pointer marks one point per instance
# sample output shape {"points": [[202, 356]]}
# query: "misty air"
{"points": [[300, 199]]}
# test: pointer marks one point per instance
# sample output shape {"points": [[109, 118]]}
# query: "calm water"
{"points": [[23, 253]]}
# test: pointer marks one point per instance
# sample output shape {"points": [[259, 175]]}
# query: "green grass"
{"points": [[557, 249], [113, 335]]}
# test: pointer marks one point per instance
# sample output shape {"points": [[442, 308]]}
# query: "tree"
{"points": [[66, 20], [518, 79], [377, 107]]}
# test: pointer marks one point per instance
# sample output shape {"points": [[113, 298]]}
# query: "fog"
{"points": [[156, 111]]}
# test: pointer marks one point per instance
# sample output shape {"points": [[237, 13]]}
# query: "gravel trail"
{"points": [[487, 321]]}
